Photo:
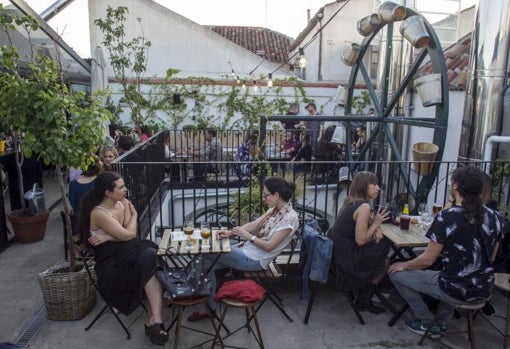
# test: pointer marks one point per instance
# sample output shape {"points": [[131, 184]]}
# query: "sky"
{"points": [[285, 16]]}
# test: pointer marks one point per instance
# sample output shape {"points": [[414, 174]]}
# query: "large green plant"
{"points": [[64, 129], [128, 59]]}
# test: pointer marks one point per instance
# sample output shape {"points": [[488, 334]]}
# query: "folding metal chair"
{"points": [[87, 256]]}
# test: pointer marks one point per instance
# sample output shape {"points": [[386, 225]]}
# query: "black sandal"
{"points": [[157, 334]]}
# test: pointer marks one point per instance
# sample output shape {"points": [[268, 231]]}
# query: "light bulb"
{"points": [[302, 62], [270, 80], [302, 59], [238, 80], [233, 74], [255, 87], [244, 84]]}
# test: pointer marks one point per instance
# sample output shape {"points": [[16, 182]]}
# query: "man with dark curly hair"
{"points": [[465, 237]]}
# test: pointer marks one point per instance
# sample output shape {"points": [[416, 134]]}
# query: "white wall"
{"points": [[179, 43]]}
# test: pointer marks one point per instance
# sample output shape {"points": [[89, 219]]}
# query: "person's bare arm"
{"points": [[366, 224], [102, 220], [266, 245]]}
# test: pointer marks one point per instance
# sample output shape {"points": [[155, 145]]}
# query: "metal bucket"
{"points": [[429, 89], [367, 25], [391, 12], [414, 30], [36, 200], [351, 55]]}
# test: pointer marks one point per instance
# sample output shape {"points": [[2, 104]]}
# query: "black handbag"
{"points": [[189, 282]]}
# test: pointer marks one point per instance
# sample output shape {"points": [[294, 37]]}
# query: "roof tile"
{"points": [[256, 39]]}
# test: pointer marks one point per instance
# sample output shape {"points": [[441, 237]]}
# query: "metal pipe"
{"points": [[488, 71], [488, 145], [55, 8]]}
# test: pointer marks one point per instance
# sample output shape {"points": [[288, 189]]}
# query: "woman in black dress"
{"points": [[124, 265], [359, 248]]}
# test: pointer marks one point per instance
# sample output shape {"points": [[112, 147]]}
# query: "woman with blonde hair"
{"points": [[359, 248], [108, 154]]}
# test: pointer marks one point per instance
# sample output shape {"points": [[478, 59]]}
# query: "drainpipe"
{"points": [[487, 156]]}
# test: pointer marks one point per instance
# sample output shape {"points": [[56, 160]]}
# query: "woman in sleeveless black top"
{"points": [[359, 248]]}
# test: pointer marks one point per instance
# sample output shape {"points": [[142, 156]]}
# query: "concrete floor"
{"points": [[332, 323]]}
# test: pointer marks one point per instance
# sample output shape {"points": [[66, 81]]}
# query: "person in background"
{"points": [[290, 145], [361, 133], [145, 133], [124, 144], [291, 125], [247, 152], [359, 248], [302, 159], [466, 238], [124, 265], [108, 154], [83, 184], [213, 153], [263, 239], [313, 125]]}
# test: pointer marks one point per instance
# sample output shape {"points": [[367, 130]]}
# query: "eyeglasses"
{"points": [[265, 195]]}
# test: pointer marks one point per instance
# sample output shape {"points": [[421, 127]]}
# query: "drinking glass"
{"points": [[205, 232], [188, 229], [423, 211]]}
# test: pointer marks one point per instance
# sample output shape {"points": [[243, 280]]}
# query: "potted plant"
{"points": [[64, 128]]}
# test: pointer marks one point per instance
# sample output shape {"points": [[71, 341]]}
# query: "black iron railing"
{"points": [[165, 194]]}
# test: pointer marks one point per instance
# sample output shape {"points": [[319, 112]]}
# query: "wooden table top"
{"points": [[414, 237], [179, 246]]}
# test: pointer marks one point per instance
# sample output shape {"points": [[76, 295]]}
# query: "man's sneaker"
{"points": [[420, 327]]}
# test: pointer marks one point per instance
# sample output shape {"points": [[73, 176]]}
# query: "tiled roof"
{"points": [[267, 43], [457, 64]]}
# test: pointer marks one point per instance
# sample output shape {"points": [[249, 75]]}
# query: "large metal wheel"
{"points": [[387, 121]]}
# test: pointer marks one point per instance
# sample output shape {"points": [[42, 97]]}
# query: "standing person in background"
{"points": [[213, 153], [124, 264], [359, 248], [108, 154], [291, 125], [313, 125], [466, 238]]}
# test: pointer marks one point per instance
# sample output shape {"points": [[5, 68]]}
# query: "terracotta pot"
{"points": [[28, 229]]}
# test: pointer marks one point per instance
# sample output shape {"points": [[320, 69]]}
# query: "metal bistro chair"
{"points": [[87, 255]]}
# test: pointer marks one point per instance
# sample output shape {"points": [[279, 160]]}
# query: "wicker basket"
{"points": [[424, 155], [67, 295]]}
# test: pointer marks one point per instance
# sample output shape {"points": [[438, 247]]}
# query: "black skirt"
{"points": [[123, 269]]}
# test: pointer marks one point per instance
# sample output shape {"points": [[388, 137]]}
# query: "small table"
{"points": [[178, 246], [405, 239]]}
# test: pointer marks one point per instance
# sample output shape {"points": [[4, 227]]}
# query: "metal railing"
{"points": [[165, 195]]}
